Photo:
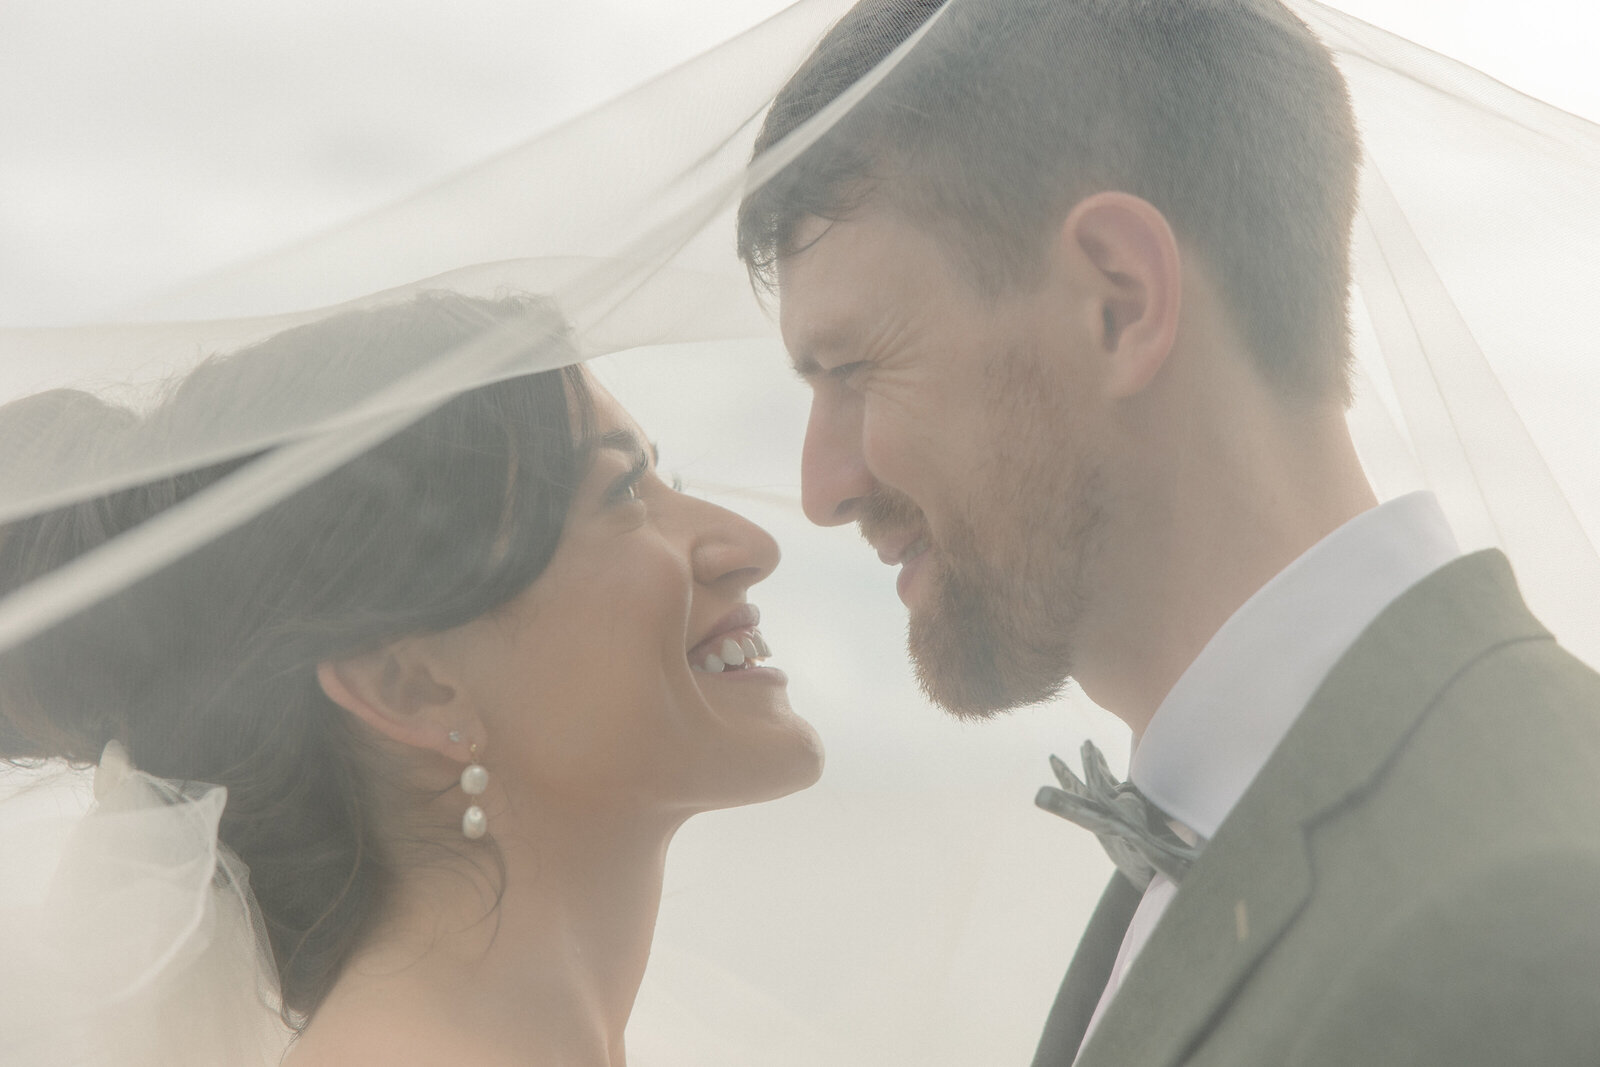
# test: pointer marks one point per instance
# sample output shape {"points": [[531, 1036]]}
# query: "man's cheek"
{"points": [[885, 452]]}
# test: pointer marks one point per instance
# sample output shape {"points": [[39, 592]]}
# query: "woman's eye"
{"points": [[626, 492], [626, 488]]}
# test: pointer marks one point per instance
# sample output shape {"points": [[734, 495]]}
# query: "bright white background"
{"points": [[143, 143]]}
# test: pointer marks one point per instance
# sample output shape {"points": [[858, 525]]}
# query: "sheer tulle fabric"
{"points": [[912, 907], [131, 937]]}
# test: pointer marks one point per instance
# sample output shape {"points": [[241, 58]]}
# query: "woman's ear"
{"points": [[403, 692], [1127, 257]]}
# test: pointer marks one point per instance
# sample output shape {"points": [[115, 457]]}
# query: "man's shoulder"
{"points": [[1512, 729], [1499, 963], [1525, 696], [1453, 911], [1501, 744], [1421, 849], [1454, 707], [1503, 763]]}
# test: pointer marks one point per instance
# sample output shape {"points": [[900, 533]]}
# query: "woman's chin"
{"points": [[803, 765], [807, 763], [787, 764]]}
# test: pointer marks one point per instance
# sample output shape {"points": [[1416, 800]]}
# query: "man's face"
{"points": [[960, 433]]}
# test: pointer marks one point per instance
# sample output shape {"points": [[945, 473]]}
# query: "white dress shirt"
{"points": [[1215, 730]]}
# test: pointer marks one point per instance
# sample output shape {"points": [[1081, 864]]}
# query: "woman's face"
{"points": [[593, 684]]}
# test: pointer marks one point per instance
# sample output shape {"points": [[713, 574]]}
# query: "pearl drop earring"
{"points": [[474, 780]]}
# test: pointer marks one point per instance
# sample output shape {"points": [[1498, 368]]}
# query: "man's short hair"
{"points": [[1227, 115]]}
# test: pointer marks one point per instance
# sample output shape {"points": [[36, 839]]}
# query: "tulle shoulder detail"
{"points": [[130, 932]]}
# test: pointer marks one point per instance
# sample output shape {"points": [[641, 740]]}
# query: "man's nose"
{"points": [[834, 478]]}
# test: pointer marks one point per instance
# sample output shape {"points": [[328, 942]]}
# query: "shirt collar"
{"points": [[1215, 730]]}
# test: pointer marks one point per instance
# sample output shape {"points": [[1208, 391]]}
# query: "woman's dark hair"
{"points": [[206, 671]]}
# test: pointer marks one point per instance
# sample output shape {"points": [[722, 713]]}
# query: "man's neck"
{"points": [[1206, 522]]}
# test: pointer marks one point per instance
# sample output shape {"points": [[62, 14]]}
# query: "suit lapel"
{"points": [[1254, 878], [1086, 978]]}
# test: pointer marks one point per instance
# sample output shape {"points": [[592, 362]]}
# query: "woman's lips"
{"points": [[753, 675], [738, 657], [745, 617], [738, 649]]}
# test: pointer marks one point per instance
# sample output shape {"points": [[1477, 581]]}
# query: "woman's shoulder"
{"points": [[394, 1042], [387, 1026]]}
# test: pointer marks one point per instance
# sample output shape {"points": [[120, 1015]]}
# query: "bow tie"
{"points": [[1135, 833]]}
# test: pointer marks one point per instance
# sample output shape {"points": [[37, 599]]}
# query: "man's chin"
{"points": [[962, 670]]}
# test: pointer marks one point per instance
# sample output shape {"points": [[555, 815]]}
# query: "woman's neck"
{"points": [[547, 976]]}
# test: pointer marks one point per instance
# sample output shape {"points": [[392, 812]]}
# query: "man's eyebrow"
{"points": [[803, 358], [805, 366], [621, 440]]}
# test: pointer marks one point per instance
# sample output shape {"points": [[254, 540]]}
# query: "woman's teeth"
{"points": [[735, 653]]}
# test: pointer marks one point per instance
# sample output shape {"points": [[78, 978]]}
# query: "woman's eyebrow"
{"points": [[623, 440]]}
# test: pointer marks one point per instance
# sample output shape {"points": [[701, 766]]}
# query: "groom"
{"points": [[1070, 290]]}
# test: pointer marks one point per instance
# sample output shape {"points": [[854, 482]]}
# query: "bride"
{"points": [[461, 694]]}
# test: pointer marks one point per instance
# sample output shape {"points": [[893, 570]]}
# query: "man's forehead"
{"points": [[841, 273], [814, 297], [816, 321]]}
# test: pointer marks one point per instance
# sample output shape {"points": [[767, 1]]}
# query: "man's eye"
{"points": [[846, 371]]}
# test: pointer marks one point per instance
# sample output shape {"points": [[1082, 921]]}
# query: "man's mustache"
{"points": [[885, 512]]}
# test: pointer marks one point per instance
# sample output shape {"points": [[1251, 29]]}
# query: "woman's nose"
{"points": [[731, 550]]}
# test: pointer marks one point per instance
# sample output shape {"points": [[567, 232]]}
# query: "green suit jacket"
{"points": [[1413, 878]]}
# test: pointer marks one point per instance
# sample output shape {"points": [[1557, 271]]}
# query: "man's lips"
{"points": [[906, 552], [901, 550], [910, 564]]}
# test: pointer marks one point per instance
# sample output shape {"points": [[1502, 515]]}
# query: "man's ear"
{"points": [[1127, 257], [401, 691]]}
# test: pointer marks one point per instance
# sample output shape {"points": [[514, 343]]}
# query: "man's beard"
{"points": [[999, 629]]}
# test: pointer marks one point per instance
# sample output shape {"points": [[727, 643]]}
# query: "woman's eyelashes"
{"points": [[627, 487]]}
